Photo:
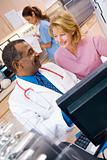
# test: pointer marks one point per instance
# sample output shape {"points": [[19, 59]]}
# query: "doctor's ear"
{"points": [[16, 64]]}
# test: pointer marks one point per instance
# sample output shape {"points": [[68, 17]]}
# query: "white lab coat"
{"points": [[41, 111]]}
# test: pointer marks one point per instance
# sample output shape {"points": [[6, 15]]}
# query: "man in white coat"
{"points": [[34, 105]]}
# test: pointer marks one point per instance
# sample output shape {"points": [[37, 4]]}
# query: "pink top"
{"points": [[87, 58]]}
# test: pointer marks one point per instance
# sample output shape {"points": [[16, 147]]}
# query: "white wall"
{"points": [[7, 5]]}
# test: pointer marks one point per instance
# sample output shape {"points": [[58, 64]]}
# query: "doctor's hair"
{"points": [[10, 54], [27, 11], [69, 25]]}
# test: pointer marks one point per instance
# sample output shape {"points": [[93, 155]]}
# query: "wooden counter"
{"points": [[6, 92], [4, 96]]}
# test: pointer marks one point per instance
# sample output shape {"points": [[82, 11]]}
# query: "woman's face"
{"points": [[31, 19], [63, 38]]}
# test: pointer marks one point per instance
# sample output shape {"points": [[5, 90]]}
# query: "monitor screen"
{"points": [[86, 105]]}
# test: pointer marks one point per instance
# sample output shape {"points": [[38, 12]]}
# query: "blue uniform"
{"points": [[45, 38]]}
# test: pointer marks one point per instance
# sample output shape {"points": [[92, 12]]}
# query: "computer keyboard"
{"points": [[83, 142]]}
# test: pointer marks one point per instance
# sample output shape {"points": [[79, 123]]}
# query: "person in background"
{"points": [[33, 100], [77, 54], [34, 16]]}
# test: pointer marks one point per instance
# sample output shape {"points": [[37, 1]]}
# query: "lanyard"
{"points": [[30, 89]]}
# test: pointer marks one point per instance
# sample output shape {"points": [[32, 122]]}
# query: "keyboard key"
{"points": [[82, 141]]}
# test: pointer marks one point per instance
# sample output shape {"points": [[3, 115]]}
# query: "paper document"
{"points": [[32, 40]]}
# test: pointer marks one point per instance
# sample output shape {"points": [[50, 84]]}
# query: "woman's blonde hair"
{"points": [[67, 22]]}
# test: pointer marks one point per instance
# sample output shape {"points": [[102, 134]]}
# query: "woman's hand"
{"points": [[45, 45], [36, 35]]}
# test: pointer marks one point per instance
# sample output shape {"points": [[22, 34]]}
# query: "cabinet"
{"points": [[54, 9], [4, 107], [81, 9], [5, 28], [100, 7]]}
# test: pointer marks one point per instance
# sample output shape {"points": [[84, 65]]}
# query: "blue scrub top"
{"points": [[45, 38]]}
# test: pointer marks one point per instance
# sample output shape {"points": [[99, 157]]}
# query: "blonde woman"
{"points": [[76, 54]]}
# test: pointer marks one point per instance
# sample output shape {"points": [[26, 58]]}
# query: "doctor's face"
{"points": [[29, 63]]}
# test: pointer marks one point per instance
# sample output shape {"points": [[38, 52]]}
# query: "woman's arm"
{"points": [[101, 45], [45, 45]]}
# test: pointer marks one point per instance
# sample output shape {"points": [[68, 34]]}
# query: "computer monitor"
{"points": [[86, 105]]}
